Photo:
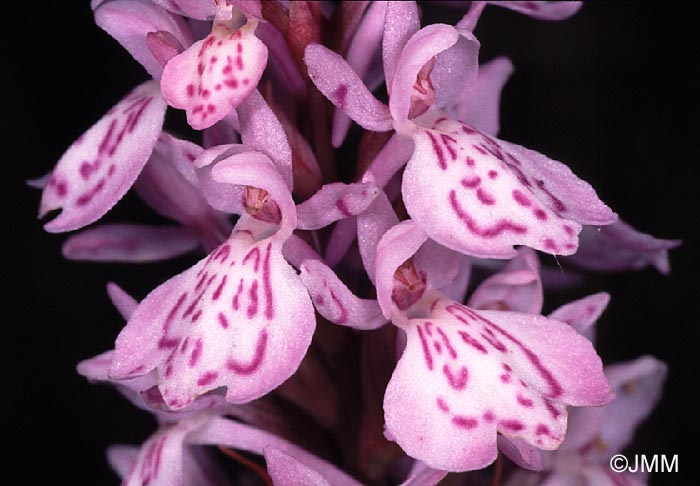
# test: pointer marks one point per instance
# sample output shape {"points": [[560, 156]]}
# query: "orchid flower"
{"points": [[597, 434], [421, 349], [484, 195]]}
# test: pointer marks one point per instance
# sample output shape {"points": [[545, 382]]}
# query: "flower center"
{"points": [[423, 95], [258, 204], [409, 285]]}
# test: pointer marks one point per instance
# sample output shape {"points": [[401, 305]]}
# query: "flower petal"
{"points": [[599, 434], [376, 220], [621, 247], [420, 49], [98, 169], [122, 458], [484, 195], [129, 21], [161, 459], [360, 56], [335, 301], [396, 246], [401, 22], [422, 475], [255, 169], [517, 287], [123, 302], [285, 470], [334, 202], [466, 375], [582, 314], [170, 185], [214, 75], [544, 10], [240, 318], [334, 77], [195, 9], [261, 130], [481, 108], [129, 243]]}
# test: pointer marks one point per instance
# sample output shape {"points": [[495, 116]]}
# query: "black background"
{"points": [[612, 92]]}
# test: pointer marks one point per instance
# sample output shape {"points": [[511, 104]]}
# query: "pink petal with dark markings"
{"points": [[481, 196], [466, 375], [215, 74], [101, 166], [240, 318], [335, 301]]}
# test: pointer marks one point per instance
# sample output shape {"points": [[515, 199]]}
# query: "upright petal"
{"points": [[480, 196], [401, 22], [466, 375], [240, 318], [215, 74], [286, 470], [261, 130], [101, 166], [129, 21]]}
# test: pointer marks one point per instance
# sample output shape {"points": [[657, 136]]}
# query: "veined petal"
{"points": [[582, 314], [100, 167], [480, 196], [215, 74], [129, 21], [129, 243], [335, 301], [240, 318], [161, 459], [466, 375], [621, 247], [334, 202], [517, 287], [334, 77], [401, 22], [545, 10]]}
